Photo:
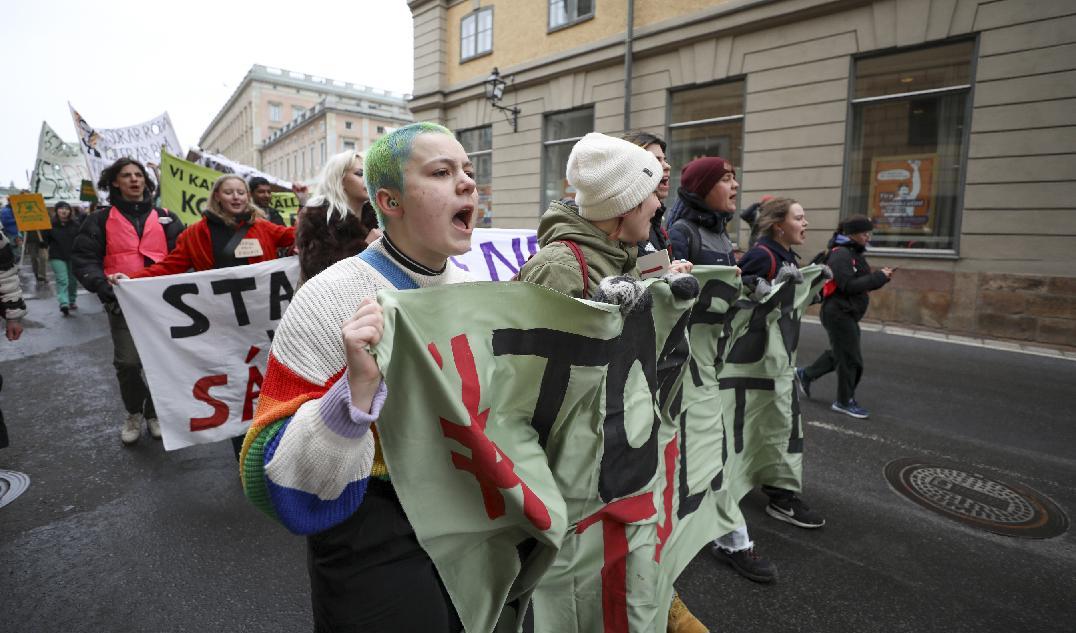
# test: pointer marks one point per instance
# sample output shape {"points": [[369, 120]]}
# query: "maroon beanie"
{"points": [[700, 175]]}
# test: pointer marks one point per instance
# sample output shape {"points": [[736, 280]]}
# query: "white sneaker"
{"points": [[132, 428], [154, 428]]}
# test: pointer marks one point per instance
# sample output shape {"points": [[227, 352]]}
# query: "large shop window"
{"points": [[910, 113], [476, 34], [561, 131], [478, 143], [564, 13], [705, 121]]}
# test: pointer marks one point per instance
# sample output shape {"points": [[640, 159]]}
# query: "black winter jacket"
{"points": [[88, 255], [853, 276], [697, 232], [61, 239]]}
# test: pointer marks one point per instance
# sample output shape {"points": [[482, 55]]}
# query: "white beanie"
{"points": [[611, 176]]}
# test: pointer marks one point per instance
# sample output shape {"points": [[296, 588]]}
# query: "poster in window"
{"points": [[902, 192]]}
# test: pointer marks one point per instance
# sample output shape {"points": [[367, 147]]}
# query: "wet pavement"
{"points": [[108, 538]]}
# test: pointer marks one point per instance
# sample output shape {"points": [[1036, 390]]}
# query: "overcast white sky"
{"points": [[120, 62]]}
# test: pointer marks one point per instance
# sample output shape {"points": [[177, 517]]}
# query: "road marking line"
{"points": [[928, 451]]}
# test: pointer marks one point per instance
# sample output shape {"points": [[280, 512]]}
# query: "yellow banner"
{"points": [[287, 204], [185, 187]]}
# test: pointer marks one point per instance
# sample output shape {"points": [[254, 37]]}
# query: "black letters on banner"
{"points": [[279, 291], [624, 468], [236, 287], [173, 295], [741, 385]]}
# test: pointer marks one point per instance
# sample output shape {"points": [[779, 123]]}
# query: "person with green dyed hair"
{"points": [[384, 163], [317, 468]]}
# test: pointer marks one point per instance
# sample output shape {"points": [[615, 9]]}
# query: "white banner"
{"points": [[225, 165], [59, 169], [204, 337], [204, 342], [142, 142], [497, 254]]}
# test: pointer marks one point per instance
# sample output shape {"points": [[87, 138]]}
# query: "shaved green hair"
{"points": [[383, 166]]}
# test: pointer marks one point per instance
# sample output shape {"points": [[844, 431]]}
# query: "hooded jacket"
{"points": [[691, 216], [555, 266], [853, 276]]}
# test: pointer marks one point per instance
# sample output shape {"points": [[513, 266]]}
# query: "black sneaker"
{"points": [[803, 383], [747, 563], [793, 510], [65, 310]]}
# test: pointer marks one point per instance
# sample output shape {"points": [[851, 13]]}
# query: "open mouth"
{"points": [[463, 219]]}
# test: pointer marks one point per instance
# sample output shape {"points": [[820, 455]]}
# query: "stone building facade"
{"points": [[951, 122], [296, 120]]}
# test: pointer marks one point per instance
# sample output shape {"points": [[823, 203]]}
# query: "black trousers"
{"points": [[370, 575], [133, 389], [843, 354]]}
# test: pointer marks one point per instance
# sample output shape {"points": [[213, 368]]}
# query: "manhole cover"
{"points": [[1001, 508], [12, 484]]}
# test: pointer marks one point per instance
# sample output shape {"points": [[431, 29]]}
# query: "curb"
{"points": [[971, 341]]}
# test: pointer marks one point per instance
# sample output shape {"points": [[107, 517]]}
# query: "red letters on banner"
{"points": [[614, 518], [489, 465]]}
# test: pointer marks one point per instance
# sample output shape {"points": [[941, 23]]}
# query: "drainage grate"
{"points": [[12, 484], [970, 498]]}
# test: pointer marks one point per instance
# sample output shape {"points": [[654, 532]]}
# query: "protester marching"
{"points": [[623, 371]]}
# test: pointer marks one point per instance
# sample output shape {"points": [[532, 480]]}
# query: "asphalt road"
{"points": [[137, 539]]}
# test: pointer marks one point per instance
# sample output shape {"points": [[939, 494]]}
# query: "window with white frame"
{"points": [[906, 151], [297, 111], [478, 143], [275, 112], [705, 121], [567, 12], [560, 133], [476, 34]]}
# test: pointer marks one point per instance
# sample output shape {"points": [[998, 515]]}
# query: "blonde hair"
{"points": [[213, 207], [330, 188], [771, 213]]}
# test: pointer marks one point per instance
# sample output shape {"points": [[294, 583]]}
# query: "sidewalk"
{"points": [[937, 335]]}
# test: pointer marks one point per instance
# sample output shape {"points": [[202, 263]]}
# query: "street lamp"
{"points": [[495, 92]]}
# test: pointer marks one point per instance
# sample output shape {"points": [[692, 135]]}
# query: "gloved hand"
{"points": [[788, 272], [626, 292], [683, 285], [762, 288]]}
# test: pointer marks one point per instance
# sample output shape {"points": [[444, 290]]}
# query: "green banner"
{"points": [[565, 453], [287, 204], [185, 187]]}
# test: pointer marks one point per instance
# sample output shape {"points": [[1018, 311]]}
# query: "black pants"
{"points": [[133, 389], [370, 575], [843, 353]]}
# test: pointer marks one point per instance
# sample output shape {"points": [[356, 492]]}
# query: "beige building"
{"points": [[951, 122], [286, 123]]}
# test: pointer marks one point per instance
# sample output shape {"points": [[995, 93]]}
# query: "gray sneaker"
{"points": [[154, 428], [132, 428]]}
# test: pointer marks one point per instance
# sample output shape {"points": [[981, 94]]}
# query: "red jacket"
{"points": [[194, 248]]}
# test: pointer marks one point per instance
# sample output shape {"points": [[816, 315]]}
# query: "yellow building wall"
{"points": [[519, 30]]}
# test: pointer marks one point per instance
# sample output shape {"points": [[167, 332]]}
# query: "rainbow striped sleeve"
{"points": [[307, 457]]}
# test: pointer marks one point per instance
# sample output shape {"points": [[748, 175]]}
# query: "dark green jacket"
{"points": [[554, 266]]}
